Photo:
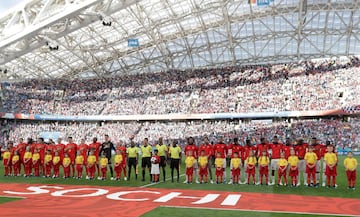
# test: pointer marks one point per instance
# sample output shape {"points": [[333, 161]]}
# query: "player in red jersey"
{"points": [[95, 146], [207, 147], [51, 147], [262, 146], [21, 148], [193, 149], [318, 149], [84, 148], [40, 146], [276, 149], [234, 148], [60, 148], [12, 150], [221, 148], [70, 149], [122, 148], [287, 148], [300, 150], [245, 154]]}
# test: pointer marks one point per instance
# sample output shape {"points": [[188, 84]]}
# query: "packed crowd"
{"points": [[309, 85], [342, 133]]}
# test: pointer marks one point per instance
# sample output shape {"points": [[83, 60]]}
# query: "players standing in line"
{"points": [[261, 147], [21, 148], [251, 167], [48, 163], [36, 163], [264, 162], [300, 150], [146, 150], [293, 161], [95, 147], [209, 152], [286, 149], [331, 160], [122, 151], [106, 148], [66, 163], [318, 149], [16, 163], [276, 149], [175, 157], [60, 148], [219, 165], [235, 165], [91, 162], [132, 155], [118, 160], [203, 166], [350, 164], [163, 153], [282, 166], [194, 152], [221, 148], [40, 146], [56, 164], [80, 162], [6, 161], [311, 159], [71, 149], [83, 148], [104, 161], [234, 148]]}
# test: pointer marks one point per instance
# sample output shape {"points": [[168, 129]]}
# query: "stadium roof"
{"points": [[73, 38]]}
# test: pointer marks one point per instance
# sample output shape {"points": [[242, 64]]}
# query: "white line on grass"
{"points": [[250, 210], [151, 184]]}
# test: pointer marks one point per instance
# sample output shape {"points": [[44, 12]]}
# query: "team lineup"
{"points": [[249, 164]]}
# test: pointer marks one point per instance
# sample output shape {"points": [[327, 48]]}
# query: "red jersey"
{"points": [[220, 148], [301, 150], [70, 149], [318, 148], [83, 148], [192, 148], [157, 159], [286, 150], [21, 148], [122, 150], [235, 148], [262, 147], [324, 150], [276, 150], [41, 150], [61, 150], [32, 147], [246, 151], [52, 149], [207, 148], [96, 148]]}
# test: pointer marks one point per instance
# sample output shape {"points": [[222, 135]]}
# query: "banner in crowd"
{"points": [[348, 110]]}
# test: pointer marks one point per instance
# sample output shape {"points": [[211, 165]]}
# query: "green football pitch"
{"points": [[341, 191], [189, 212]]}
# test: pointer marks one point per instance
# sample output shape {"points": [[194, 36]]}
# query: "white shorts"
{"points": [[196, 165], [302, 166], [224, 164], [155, 170], [324, 166], [274, 164], [318, 166]]}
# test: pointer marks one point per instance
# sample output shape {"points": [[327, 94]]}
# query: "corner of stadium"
{"points": [[180, 107]]}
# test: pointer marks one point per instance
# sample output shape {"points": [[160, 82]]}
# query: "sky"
{"points": [[7, 4]]}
